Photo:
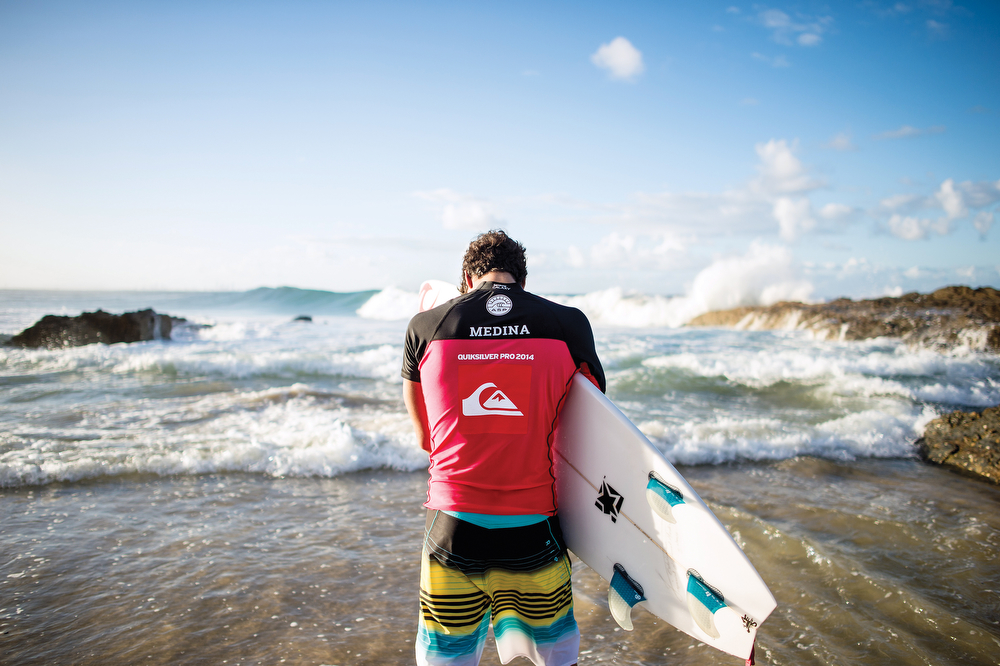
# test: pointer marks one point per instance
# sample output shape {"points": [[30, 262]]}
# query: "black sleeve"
{"points": [[580, 340], [413, 351], [421, 330]]}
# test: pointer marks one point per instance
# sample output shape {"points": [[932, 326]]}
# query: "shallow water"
{"points": [[250, 492], [870, 562]]}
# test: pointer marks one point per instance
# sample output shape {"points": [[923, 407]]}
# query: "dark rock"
{"points": [[967, 441], [53, 331], [948, 318], [303, 318]]}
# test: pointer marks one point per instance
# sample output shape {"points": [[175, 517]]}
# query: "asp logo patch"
{"points": [[496, 397], [499, 304]]}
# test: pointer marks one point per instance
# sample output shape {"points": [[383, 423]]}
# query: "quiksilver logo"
{"points": [[497, 404], [494, 331]]}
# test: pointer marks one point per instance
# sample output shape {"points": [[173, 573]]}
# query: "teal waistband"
{"points": [[493, 522]]}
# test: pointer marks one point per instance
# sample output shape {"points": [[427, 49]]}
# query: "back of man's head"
{"points": [[494, 251]]}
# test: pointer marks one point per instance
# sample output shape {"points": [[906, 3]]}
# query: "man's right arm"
{"points": [[413, 397]]}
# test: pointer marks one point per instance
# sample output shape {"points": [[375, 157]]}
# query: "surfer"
{"points": [[484, 377]]}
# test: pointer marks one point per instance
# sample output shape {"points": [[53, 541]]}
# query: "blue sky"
{"points": [[791, 149]]}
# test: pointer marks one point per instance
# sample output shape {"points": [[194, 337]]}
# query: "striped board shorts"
{"points": [[517, 579]]}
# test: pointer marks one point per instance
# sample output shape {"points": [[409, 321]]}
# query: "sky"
{"points": [[787, 150]]}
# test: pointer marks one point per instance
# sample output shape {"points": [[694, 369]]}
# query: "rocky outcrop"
{"points": [[53, 331], [967, 441], [949, 318]]}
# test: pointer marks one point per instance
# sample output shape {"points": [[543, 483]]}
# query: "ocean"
{"points": [[249, 492]]}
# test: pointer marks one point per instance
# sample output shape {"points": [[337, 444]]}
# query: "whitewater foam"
{"points": [[390, 304], [261, 394], [290, 431], [868, 434]]}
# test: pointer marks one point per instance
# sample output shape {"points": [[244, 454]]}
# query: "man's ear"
{"points": [[468, 279]]}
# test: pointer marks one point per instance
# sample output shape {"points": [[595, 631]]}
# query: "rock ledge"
{"points": [[967, 441], [54, 331], [948, 318]]}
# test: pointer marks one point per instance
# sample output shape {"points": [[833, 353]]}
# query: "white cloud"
{"points": [[775, 199], [696, 212], [913, 228], [983, 222], [955, 200], [612, 250], [902, 202], [841, 142], [463, 211], [951, 201], [981, 194], [777, 61], [794, 217], [937, 30], [913, 273], [628, 251], [803, 31], [908, 131], [835, 211], [908, 228], [621, 59], [854, 266], [894, 292], [780, 171]]}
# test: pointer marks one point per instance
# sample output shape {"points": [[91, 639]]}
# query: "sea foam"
{"points": [[261, 394], [291, 431]]}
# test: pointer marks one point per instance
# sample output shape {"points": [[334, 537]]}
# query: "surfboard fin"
{"points": [[662, 497], [703, 600], [623, 593]]}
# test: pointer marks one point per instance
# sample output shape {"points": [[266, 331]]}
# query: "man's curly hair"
{"points": [[494, 251]]}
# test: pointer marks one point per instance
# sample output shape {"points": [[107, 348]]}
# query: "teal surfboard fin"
{"points": [[624, 593], [703, 601], [662, 497]]}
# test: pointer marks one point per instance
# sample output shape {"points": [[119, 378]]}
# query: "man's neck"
{"points": [[502, 277]]}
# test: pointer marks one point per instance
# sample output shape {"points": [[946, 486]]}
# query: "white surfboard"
{"points": [[629, 515], [435, 292]]}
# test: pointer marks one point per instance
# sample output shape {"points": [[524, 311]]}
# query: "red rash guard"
{"points": [[498, 362]]}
